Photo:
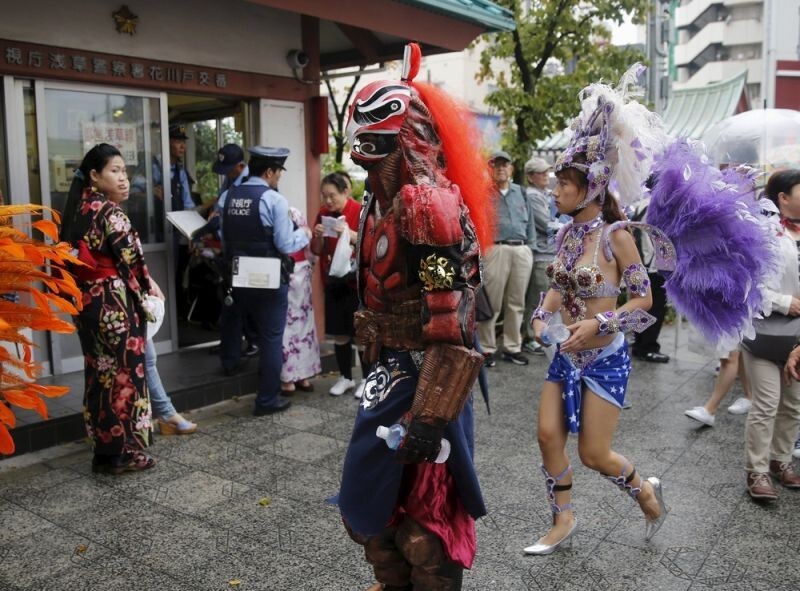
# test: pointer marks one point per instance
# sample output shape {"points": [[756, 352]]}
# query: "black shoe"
{"points": [[252, 350], [653, 357], [280, 406], [489, 360], [515, 358]]}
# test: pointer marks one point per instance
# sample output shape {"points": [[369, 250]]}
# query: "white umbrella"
{"points": [[765, 137]]}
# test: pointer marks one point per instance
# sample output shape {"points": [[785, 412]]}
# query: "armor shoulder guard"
{"points": [[431, 215]]}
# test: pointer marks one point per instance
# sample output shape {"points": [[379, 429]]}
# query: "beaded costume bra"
{"points": [[579, 283]]}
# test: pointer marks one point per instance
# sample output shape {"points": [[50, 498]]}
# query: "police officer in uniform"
{"points": [[256, 223]]}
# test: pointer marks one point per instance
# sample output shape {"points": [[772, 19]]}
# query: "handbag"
{"points": [[776, 336]]}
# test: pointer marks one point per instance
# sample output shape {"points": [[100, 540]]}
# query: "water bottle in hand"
{"points": [[554, 333], [394, 437]]}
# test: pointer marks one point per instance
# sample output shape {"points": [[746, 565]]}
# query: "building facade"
{"points": [[74, 74], [719, 39]]}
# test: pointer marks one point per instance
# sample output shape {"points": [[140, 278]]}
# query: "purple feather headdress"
{"points": [[725, 248]]}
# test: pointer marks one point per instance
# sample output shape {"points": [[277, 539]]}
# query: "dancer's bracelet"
{"points": [[541, 314], [611, 322]]}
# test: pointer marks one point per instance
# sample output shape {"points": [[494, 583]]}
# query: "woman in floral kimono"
{"points": [[112, 323], [300, 345]]}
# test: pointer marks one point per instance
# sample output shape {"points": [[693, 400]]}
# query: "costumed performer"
{"points": [[419, 266], [617, 141]]}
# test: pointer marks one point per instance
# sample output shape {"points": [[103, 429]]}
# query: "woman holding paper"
{"points": [[114, 282], [338, 218]]}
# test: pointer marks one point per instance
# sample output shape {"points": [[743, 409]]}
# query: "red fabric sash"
{"points": [[98, 266], [432, 501]]}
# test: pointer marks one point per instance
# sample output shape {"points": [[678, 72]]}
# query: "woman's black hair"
{"points": [[781, 182], [337, 180], [95, 159]]}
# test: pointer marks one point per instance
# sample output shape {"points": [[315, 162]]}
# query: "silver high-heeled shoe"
{"points": [[651, 526], [540, 549]]}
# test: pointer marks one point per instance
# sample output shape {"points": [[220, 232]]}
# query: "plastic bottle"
{"points": [[554, 333], [394, 436]]}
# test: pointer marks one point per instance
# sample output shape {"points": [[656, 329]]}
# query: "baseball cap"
{"points": [[500, 155], [228, 156], [537, 164]]}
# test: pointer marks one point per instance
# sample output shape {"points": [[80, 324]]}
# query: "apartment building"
{"points": [[719, 39]]}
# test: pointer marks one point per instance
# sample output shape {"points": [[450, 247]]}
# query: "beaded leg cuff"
{"points": [[552, 486], [624, 482]]}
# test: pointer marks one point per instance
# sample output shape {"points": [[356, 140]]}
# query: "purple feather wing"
{"points": [[724, 248]]}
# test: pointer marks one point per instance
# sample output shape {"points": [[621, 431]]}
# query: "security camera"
{"points": [[297, 59]]}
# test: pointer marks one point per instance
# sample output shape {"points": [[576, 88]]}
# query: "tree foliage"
{"points": [[558, 47], [337, 119], [23, 272]]}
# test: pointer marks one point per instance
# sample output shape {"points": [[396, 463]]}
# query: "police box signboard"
{"points": [[256, 272], [45, 61]]}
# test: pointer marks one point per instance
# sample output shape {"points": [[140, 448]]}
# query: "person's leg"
{"points": [[787, 421], [759, 428], [598, 425], [495, 274], [552, 438], [518, 278], [728, 369], [269, 311], [230, 350], [745, 383], [391, 569], [159, 399], [431, 569], [343, 349]]}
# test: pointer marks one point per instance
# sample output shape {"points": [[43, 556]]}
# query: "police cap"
{"points": [[228, 156], [267, 155], [177, 131]]}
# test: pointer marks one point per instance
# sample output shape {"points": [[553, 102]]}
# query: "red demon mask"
{"points": [[376, 115]]}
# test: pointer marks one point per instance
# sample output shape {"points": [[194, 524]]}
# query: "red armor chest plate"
{"points": [[384, 266]]}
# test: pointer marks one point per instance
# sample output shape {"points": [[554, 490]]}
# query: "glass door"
{"points": [[70, 119]]}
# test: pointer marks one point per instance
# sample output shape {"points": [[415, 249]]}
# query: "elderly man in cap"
{"points": [[255, 223], [537, 175], [507, 266]]}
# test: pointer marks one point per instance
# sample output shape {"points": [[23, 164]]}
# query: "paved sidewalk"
{"points": [[242, 504]]}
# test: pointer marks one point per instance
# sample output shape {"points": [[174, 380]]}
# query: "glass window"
{"points": [[3, 158], [77, 120]]}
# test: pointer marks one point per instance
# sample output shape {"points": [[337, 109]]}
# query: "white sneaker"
{"points": [[740, 407], [796, 452], [341, 386], [359, 391], [699, 413]]}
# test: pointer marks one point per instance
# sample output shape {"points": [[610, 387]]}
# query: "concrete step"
{"points": [[192, 377]]}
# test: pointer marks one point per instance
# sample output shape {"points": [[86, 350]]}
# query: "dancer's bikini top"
{"points": [[584, 281]]}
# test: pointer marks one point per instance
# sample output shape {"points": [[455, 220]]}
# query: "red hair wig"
{"points": [[461, 143]]}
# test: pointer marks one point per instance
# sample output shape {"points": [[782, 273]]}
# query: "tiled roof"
{"points": [[482, 12]]}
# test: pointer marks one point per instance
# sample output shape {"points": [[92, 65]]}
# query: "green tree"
{"points": [[557, 48], [337, 119]]}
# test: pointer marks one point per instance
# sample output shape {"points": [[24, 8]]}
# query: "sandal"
{"points": [[136, 462], [182, 427], [287, 388], [304, 385]]}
